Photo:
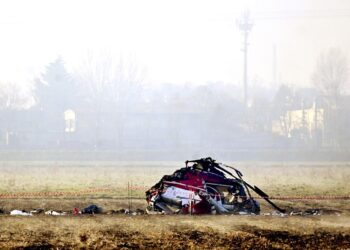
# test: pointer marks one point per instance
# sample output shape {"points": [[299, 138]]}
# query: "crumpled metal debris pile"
{"points": [[205, 186]]}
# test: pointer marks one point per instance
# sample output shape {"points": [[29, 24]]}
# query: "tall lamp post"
{"points": [[245, 24]]}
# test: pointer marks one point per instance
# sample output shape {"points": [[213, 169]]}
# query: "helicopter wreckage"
{"points": [[205, 187]]}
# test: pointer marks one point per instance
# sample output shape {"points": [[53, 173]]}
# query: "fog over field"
{"points": [[102, 104], [173, 80]]}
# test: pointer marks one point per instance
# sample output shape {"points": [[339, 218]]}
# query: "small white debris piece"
{"points": [[243, 213], [276, 213], [148, 211], [19, 212], [294, 213], [51, 212]]}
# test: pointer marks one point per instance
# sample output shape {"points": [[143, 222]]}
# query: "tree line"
{"points": [[114, 109]]}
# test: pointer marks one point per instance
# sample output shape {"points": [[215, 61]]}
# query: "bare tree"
{"points": [[93, 77], [282, 103], [330, 77], [123, 88], [331, 73], [107, 86], [13, 98]]}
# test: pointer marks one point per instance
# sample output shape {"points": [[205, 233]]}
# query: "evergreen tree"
{"points": [[55, 93], [56, 89]]}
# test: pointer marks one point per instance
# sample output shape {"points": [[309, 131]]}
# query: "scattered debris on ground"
{"points": [[307, 212]]}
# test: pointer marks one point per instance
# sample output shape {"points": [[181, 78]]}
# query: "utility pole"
{"points": [[274, 66], [245, 24]]}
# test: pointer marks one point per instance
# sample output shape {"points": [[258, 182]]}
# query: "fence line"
{"points": [[130, 197]]}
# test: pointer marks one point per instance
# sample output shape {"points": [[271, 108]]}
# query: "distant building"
{"points": [[307, 122]]}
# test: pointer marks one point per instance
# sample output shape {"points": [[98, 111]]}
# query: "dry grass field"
{"points": [[328, 231]]}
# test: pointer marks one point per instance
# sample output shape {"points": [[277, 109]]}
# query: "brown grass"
{"points": [[173, 232], [278, 179], [177, 232]]}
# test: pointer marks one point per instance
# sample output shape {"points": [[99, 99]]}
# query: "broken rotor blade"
{"points": [[263, 195], [227, 172], [239, 173], [257, 190]]}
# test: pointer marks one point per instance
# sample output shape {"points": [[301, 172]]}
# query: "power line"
{"points": [[295, 14]]}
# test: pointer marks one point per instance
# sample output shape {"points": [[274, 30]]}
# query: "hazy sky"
{"points": [[175, 41]]}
